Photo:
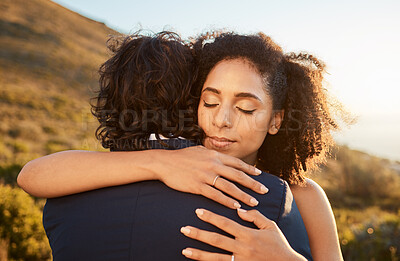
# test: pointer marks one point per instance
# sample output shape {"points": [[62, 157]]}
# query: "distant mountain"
{"points": [[49, 57]]}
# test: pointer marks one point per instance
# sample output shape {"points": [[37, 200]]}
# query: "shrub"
{"points": [[49, 130], [373, 240], [26, 130], [19, 146], [21, 230], [359, 177], [9, 173], [55, 146]]}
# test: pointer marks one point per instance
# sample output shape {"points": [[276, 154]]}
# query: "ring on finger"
{"points": [[215, 180]]}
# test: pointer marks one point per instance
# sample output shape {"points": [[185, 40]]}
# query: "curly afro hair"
{"points": [[294, 82]]}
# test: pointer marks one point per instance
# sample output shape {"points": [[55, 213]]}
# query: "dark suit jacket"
{"points": [[142, 221]]}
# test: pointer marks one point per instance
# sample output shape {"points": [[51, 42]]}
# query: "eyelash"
{"points": [[209, 105], [245, 111], [240, 109]]}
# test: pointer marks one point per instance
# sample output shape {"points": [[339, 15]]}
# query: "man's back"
{"points": [[142, 221]]}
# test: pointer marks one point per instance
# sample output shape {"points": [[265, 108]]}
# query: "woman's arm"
{"points": [[75, 171], [265, 243], [319, 221], [191, 170]]}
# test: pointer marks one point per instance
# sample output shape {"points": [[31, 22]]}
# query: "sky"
{"points": [[357, 40]]}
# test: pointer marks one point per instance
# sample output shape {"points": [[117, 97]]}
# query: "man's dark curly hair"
{"points": [[294, 81], [145, 88]]}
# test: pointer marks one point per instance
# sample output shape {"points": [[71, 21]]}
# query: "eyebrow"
{"points": [[210, 89], [247, 95], [239, 95]]}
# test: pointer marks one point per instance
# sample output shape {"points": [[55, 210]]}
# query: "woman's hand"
{"points": [[198, 170], [265, 243]]}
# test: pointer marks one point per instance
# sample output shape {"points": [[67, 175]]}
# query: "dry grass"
{"points": [[48, 70]]}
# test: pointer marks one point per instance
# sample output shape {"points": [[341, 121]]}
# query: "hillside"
{"points": [[49, 58]]}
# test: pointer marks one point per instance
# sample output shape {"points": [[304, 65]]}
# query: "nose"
{"points": [[222, 118]]}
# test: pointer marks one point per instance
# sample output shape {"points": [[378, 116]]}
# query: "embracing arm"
{"points": [[319, 221], [75, 171], [69, 172]]}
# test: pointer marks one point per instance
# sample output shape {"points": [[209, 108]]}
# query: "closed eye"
{"points": [[209, 104], [246, 111]]}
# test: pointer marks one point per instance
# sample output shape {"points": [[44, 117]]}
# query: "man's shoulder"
{"points": [[277, 186], [270, 204], [270, 178]]}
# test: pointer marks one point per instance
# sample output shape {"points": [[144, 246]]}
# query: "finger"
{"points": [[197, 254], [239, 164], [241, 178], [232, 190], [211, 238], [261, 221], [218, 196], [221, 222]]}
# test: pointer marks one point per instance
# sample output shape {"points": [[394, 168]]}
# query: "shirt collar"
{"points": [[153, 137]]}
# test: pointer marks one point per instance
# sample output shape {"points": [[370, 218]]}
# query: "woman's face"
{"points": [[235, 111]]}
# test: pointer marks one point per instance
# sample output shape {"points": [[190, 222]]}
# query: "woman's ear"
{"points": [[276, 122]]}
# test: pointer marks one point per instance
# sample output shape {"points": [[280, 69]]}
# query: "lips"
{"points": [[220, 142]]}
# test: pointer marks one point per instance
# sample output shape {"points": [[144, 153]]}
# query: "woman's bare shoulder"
{"points": [[319, 220], [312, 201], [310, 191]]}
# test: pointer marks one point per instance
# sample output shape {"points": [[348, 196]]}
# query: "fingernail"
{"points": [[186, 252], [242, 210], [185, 230], [258, 171], [254, 201], [236, 205], [264, 189], [199, 212]]}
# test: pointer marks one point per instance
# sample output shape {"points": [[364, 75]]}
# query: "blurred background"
{"points": [[50, 52]]}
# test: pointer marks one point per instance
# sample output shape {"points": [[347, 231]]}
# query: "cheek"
{"points": [[262, 121], [254, 125], [204, 119], [255, 128]]}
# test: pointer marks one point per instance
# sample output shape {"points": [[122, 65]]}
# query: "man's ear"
{"points": [[276, 122]]}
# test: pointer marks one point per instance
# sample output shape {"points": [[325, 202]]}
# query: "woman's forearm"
{"points": [[191, 170], [70, 172]]}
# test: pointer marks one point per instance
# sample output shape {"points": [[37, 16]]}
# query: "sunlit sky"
{"points": [[358, 40]]}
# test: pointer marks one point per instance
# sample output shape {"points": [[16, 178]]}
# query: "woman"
{"points": [[249, 91], [299, 108]]}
